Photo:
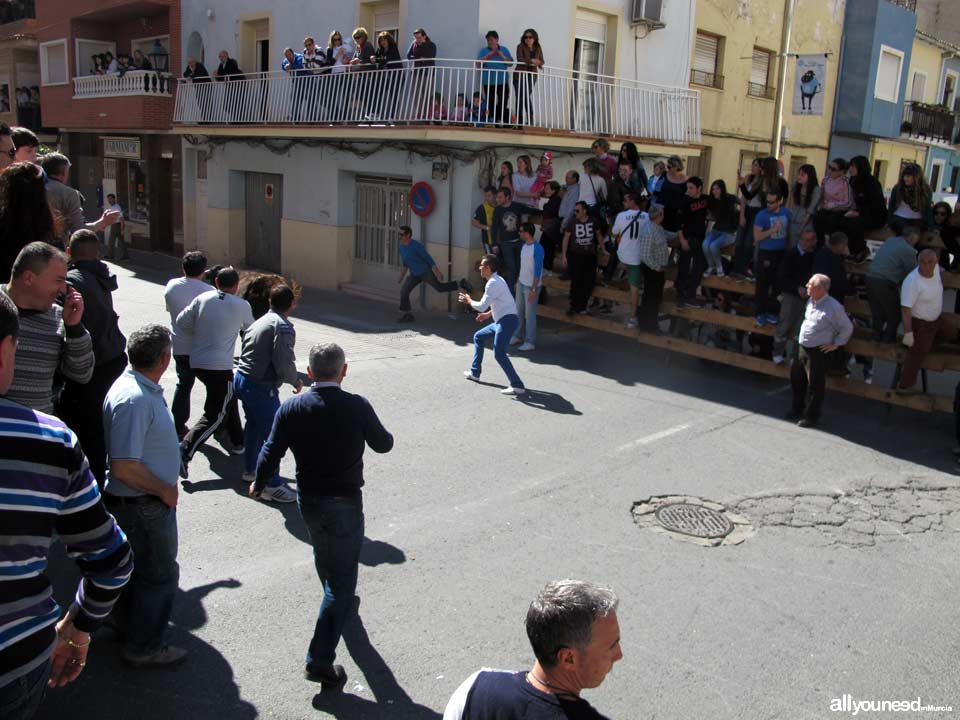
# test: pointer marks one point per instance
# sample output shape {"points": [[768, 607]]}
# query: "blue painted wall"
{"points": [[868, 25]]}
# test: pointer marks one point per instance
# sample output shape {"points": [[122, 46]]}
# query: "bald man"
{"points": [[921, 308]]}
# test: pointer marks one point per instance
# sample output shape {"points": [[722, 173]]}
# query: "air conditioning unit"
{"points": [[648, 13]]}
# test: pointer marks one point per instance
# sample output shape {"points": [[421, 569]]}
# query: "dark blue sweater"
{"points": [[327, 429]]}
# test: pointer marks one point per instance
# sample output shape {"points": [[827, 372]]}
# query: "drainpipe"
{"points": [[782, 77], [450, 164]]}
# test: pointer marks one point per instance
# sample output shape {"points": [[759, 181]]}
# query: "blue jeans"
{"points": [[146, 604], [21, 698], [527, 311], [336, 529], [715, 242], [501, 332], [260, 405]]}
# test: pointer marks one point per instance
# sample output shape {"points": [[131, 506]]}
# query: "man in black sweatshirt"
{"points": [[795, 270], [327, 429]]}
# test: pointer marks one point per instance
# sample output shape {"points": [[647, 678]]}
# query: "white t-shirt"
{"points": [[341, 57], [179, 293], [924, 296], [215, 320], [628, 251], [593, 188]]}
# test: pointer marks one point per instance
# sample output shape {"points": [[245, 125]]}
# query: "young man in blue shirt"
{"points": [[770, 234], [421, 268], [495, 61], [293, 65]]}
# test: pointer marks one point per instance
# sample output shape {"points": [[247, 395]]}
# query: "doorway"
{"points": [[382, 207], [589, 47], [263, 210]]}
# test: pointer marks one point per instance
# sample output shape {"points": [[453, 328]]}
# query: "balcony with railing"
{"points": [[554, 101], [135, 82], [930, 122], [758, 90]]}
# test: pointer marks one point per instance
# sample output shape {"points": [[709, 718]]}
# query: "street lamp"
{"points": [[159, 57]]}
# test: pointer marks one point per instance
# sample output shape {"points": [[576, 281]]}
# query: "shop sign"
{"points": [[121, 147]]}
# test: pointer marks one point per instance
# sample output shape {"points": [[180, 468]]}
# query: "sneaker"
{"points": [[405, 318], [806, 423], [772, 319], [719, 272], [280, 494], [778, 359], [761, 320], [167, 656], [248, 477], [334, 675], [527, 346], [513, 391], [632, 323], [465, 285], [468, 374], [515, 340]]}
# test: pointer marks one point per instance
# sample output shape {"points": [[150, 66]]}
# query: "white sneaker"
{"points": [[249, 477], [527, 346], [778, 359], [515, 340], [719, 272], [280, 494], [468, 374], [513, 391]]}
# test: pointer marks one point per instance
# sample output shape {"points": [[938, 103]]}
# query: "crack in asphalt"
{"points": [[883, 509]]}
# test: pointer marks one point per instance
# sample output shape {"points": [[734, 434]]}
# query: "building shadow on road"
{"points": [[390, 701], [203, 687]]}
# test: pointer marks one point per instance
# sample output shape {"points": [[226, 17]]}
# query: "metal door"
{"points": [[382, 207], [264, 208]]}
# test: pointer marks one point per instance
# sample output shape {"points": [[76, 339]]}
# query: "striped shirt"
{"points": [[44, 346], [46, 488]]}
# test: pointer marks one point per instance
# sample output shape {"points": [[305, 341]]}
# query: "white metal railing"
{"points": [[554, 99], [134, 82]]}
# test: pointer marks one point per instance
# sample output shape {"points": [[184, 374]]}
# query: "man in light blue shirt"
{"points": [[421, 268], [495, 61], [497, 302], [293, 65]]}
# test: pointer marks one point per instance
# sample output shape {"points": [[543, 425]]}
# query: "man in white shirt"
{"points": [[214, 319], [497, 302], [179, 293], [921, 305], [626, 232]]}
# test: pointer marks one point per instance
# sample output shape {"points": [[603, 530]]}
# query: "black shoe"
{"points": [[334, 675], [184, 464], [405, 318], [793, 415], [806, 423], [466, 285]]}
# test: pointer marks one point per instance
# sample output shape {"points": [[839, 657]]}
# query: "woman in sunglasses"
{"points": [[529, 62], [949, 234], [911, 199]]}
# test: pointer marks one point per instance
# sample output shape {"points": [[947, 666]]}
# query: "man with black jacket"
{"points": [[327, 429], [794, 272], [81, 404]]}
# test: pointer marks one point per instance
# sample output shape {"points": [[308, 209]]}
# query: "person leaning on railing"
{"points": [[421, 53], [529, 62], [388, 58], [493, 59]]}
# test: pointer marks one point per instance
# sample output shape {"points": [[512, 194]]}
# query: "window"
{"points": [[706, 61], [139, 209], [700, 167], [936, 174], [949, 98], [887, 86], [919, 86], [386, 21], [759, 85], [146, 45], [86, 49], [53, 63]]}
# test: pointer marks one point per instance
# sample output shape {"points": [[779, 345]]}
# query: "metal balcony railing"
{"points": [[134, 82], [761, 91], [929, 121], [552, 100], [707, 79]]}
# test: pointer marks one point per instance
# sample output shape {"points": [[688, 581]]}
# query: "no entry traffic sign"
{"points": [[422, 199]]}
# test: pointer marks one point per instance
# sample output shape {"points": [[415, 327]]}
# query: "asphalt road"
{"points": [[848, 585]]}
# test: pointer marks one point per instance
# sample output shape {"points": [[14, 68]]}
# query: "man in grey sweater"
{"points": [[52, 337], [267, 361]]}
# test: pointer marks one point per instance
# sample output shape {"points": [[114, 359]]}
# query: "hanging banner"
{"points": [[808, 90]]}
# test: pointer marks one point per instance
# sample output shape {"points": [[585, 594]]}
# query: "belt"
{"points": [[110, 499]]}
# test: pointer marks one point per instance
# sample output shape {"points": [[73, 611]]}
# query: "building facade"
{"points": [[116, 126], [310, 175], [19, 72]]}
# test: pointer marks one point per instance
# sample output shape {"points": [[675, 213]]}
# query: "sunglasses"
{"points": [[528, 37], [834, 168]]}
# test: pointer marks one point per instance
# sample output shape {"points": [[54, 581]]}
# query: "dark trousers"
{"points": [[335, 525], [219, 408], [551, 240], [411, 281], [21, 698], [583, 275], [181, 395], [808, 378], [146, 604], [925, 334], [81, 408], [826, 222], [498, 102], [510, 255], [690, 267], [884, 298], [653, 281], [768, 261], [743, 250], [856, 231]]}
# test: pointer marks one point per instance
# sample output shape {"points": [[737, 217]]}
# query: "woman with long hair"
{"points": [[869, 211], [25, 215], [387, 58], [529, 62], [949, 234], [363, 60], [523, 180], [723, 209], [911, 199], [628, 152], [803, 203], [505, 178], [672, 193]]}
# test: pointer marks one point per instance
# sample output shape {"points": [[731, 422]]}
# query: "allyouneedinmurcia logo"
{"points": [[846, 703]]}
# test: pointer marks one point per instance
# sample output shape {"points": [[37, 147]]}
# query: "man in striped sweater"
{"points": [[52, 337], [46, 488]]}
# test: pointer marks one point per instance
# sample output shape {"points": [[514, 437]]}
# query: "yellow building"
{"points": [[734, 64]]}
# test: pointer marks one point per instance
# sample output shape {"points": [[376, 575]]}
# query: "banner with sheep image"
{"points": [[808, 90]]}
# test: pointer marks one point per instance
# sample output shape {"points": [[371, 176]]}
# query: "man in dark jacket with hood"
{"points": [[81, 406]]}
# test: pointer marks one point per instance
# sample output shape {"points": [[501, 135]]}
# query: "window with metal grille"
{"points": [[706, 61], [759, 85], [382, 207]]}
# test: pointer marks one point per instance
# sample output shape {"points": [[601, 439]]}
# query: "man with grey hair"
{"points": [[327, 429], [67, 202], [573, 630], [654, 253], [825, 328], [141, 493]]}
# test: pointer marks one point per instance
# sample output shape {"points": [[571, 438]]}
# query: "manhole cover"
{"points": [[695, 520]]}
